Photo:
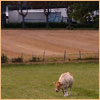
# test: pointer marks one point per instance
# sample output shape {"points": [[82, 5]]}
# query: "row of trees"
{"points": [[81, 11]]}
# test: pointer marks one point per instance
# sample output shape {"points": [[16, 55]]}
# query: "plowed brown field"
{"points": [[14, 42]]}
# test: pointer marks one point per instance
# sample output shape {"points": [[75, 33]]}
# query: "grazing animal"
{"points": [[65, 82]]}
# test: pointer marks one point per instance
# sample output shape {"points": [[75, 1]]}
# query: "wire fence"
{"points": [[44, 58]]}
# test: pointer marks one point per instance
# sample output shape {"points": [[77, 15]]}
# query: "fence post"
{"points": [[44, 56], [32, 57], [22, 56], [65, 55], [98, 53], [80, 54]]}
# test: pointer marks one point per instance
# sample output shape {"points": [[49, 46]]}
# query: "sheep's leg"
{"points": [[63, 91], [70, 90], [66, 93]]}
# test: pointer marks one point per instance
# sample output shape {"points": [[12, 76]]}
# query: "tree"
{"points": [[47, 12], [84, 11], [22, 13], [68, 11]]}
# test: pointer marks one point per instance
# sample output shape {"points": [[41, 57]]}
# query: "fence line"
{"points": [[45, 58]]}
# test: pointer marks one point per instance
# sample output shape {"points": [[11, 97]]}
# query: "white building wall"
{"points": [[14, 17], [35, 17]]}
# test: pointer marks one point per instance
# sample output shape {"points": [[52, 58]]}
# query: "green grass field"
{"points": [[20, 81]]}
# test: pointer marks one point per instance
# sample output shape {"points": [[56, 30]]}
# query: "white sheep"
{"points": [[65, 82]]}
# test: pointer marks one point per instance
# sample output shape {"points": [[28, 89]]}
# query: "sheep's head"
{"points": [[58, 86]]}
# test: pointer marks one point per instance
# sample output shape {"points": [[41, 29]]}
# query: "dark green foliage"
{"points": [[19, 59], [36, 25], [4, 58], [84, 11], [92, 25], [35, 59], [13, 25], [57, 25], [89, 58], [85, 26]]}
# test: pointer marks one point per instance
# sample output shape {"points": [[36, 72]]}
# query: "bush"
{"points": [[19, 59], [89, 58], [13, 25], [57, 25], [83, 26], [35, 59], [36, 25], [4, 58], [92, 25]]}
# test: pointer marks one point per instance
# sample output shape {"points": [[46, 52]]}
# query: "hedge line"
{"points": [[51, 25]]}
